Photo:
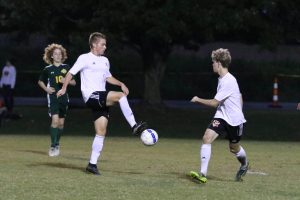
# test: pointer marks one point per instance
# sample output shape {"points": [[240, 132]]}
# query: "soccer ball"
{"points": [[149, 137]]}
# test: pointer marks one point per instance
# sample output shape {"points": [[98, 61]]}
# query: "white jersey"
{"points": [[8, 76], [94, 70], [229, 96]]}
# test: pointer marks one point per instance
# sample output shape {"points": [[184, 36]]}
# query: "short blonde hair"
{"points": [[94, 37], [222, 56], [49, 52]]}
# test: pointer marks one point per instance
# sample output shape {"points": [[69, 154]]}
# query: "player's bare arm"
{"points": [[115, 81], [72, 82], [63, 90], [207, 102], [49, 90], [242, 102]]}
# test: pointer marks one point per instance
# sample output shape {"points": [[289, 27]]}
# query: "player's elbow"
{"points": [[214, 103]]}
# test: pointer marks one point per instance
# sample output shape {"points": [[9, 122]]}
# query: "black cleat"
{"points": [[139, 128], [92, 169], [242, 172]]}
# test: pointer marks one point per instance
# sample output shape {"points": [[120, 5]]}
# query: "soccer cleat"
{"points": [[52, 151], [139, 128], [197, 177], [242, 172], [57, 150], [92, 169]]}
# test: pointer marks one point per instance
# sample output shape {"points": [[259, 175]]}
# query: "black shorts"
{"points": [[221, 127], [97, 103]]}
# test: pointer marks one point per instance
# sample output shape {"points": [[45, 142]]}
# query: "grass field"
{"points": [[132, 171]]}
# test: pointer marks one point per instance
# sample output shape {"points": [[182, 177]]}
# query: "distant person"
{"points": [[228, 120], [7, 84], [94, 71], [51, 80]]}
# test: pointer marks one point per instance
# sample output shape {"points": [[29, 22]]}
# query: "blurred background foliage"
{"points": [[143, 36]]}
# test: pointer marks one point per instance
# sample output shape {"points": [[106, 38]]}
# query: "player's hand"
{"points": [[298, 106], [60, 92], [50, 90], [124, 89], [195, 99]]}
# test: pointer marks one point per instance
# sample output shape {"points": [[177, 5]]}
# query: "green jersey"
{"points": [[52, 75]]}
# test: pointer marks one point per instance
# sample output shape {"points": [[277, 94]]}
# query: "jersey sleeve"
{"points": [[224, 91], [107, 73], [44, 76], [78, 66]]}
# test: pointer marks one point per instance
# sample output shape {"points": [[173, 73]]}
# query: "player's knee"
{"points": [[54, 124], [121, 94], [101, 132], [206, 139], [234, 148]]}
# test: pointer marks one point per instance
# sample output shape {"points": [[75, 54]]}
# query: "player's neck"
{"points": [[223, 72], [57, 64]]}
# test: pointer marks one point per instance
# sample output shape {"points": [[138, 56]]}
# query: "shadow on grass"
{"points": [[46, 153], [210, 178], [122, 172], [57, 165]]}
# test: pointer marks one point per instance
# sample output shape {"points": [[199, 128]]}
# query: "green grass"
{"points": [[132, 171]]}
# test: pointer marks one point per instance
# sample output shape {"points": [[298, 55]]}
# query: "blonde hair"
{"points": [[49, 52], [222, 56], [94, 37]]}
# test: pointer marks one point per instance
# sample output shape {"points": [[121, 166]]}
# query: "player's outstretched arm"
{"points": [[112, 80], [207, 102], [63, 90]]}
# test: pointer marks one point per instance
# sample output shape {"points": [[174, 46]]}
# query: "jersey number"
{"points": [[58, 79]]}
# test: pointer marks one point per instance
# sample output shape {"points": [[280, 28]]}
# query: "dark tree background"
{"points": [[153, 27]]}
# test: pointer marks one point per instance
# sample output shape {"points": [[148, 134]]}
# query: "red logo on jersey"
{"points": [[215, 123]]}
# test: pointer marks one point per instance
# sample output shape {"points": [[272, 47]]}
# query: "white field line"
{"points": [[257, 173]]}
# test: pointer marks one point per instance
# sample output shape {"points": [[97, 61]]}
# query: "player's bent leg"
{"points": [[242, 158], [209, 136], [112, 97]]}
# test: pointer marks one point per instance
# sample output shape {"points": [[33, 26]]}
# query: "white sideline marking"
{"points": [[258, 173]]}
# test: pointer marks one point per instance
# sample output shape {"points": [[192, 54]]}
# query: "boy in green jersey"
{"points": [[51, 80]]}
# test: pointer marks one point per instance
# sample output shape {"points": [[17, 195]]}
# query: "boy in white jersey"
{"points": [[229, 118], [94, 73], [7, 85]]}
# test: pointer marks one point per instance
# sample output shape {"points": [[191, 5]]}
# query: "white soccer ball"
{"points": [[149, 137]]}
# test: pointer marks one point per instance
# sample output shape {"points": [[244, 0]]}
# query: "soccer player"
{"points": [[51, 80], [94, 71], [229, 118], [7, 83]]}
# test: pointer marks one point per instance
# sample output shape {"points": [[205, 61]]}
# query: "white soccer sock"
{"points": [[205, 153], [96, 148], [126, 110], [241, 156]]}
